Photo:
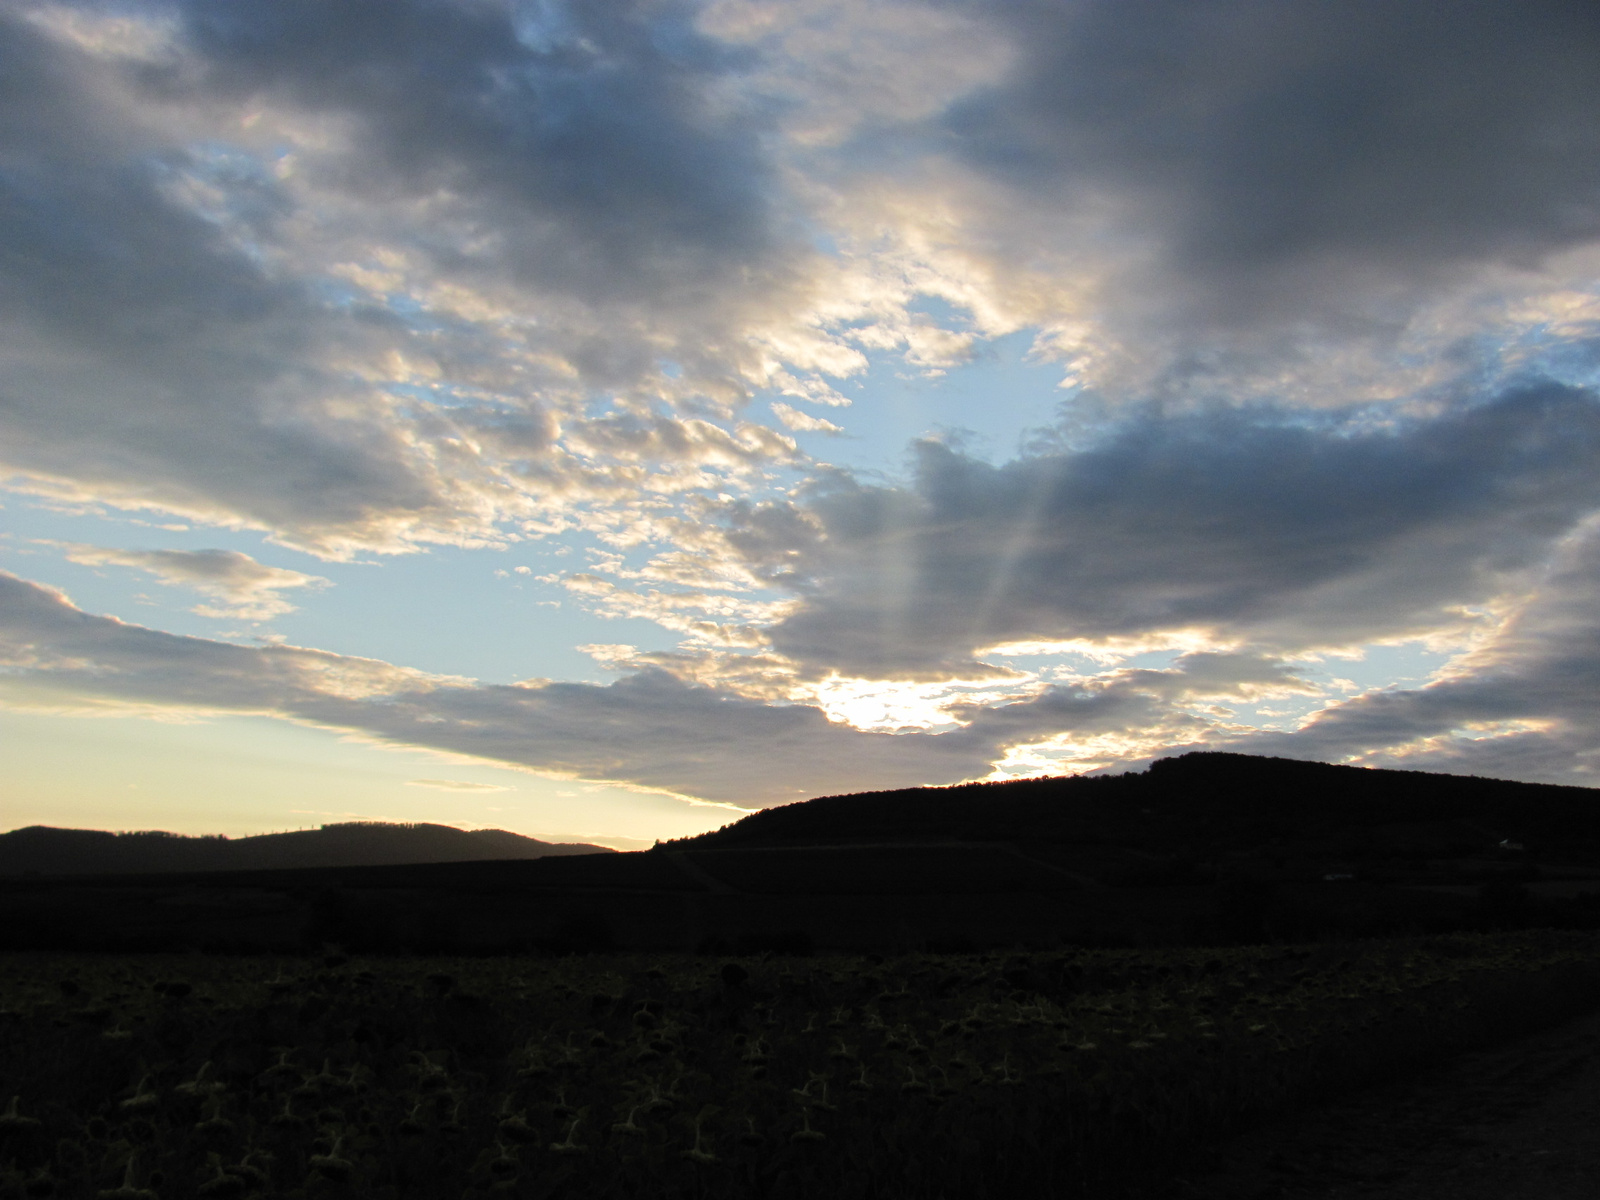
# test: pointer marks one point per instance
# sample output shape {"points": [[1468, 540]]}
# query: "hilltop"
{"points": [[1200, 804], [1200, 849], [43, 850]]}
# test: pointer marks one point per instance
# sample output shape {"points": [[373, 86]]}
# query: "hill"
{"points": [[1200, 803], [42, 850], [1202, 849]]}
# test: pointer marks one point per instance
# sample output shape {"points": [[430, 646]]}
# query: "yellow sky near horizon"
{"points": [[240, 775]]}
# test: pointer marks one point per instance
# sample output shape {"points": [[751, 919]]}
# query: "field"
{"points": [[1049, 1073], [869, 871]]}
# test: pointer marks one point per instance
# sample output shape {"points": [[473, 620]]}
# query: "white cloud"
{"points": [[800, 422], [237, 586]]}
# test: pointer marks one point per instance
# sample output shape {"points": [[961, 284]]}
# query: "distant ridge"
{"points": [[43, 850], [1193, 799], [1199, 850]]}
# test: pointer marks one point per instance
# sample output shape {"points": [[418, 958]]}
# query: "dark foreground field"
{"points": [[858, 899], [1515, 1121], [1094, 1073]]}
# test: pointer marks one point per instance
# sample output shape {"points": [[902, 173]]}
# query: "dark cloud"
{"points": [[91, 247], [1254, 138], [1118, 709], [576, 139], [168, 337], [1249, 525], [149, 358]]}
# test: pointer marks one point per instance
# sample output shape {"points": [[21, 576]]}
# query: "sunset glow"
{"points": [[597, 419]]}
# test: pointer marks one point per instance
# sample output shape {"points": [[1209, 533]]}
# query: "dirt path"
{"points": [[1520, 1122]]}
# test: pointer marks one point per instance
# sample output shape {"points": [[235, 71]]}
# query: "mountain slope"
{"points": [[43, 850], [1188, 802]]}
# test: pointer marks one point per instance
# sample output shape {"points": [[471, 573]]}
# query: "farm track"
{"points": [[1517, 1122]]}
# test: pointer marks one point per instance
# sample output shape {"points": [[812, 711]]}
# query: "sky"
{"points": [[601, 418]]}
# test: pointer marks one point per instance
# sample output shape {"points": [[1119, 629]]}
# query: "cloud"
{"points": [[381, 274], [456, 785], [1520, 705], [238, 587], [1277, 153], [377, 275], [716, 618], [583, 131], [1232, 527], [157, 358], [1246, 200], [354, 275], [647, 729], [802, 422], [836, 71]]}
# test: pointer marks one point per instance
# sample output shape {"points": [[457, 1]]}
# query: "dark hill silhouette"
{"points": [[1202, 849], [42, 850], [1190, 802]]}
